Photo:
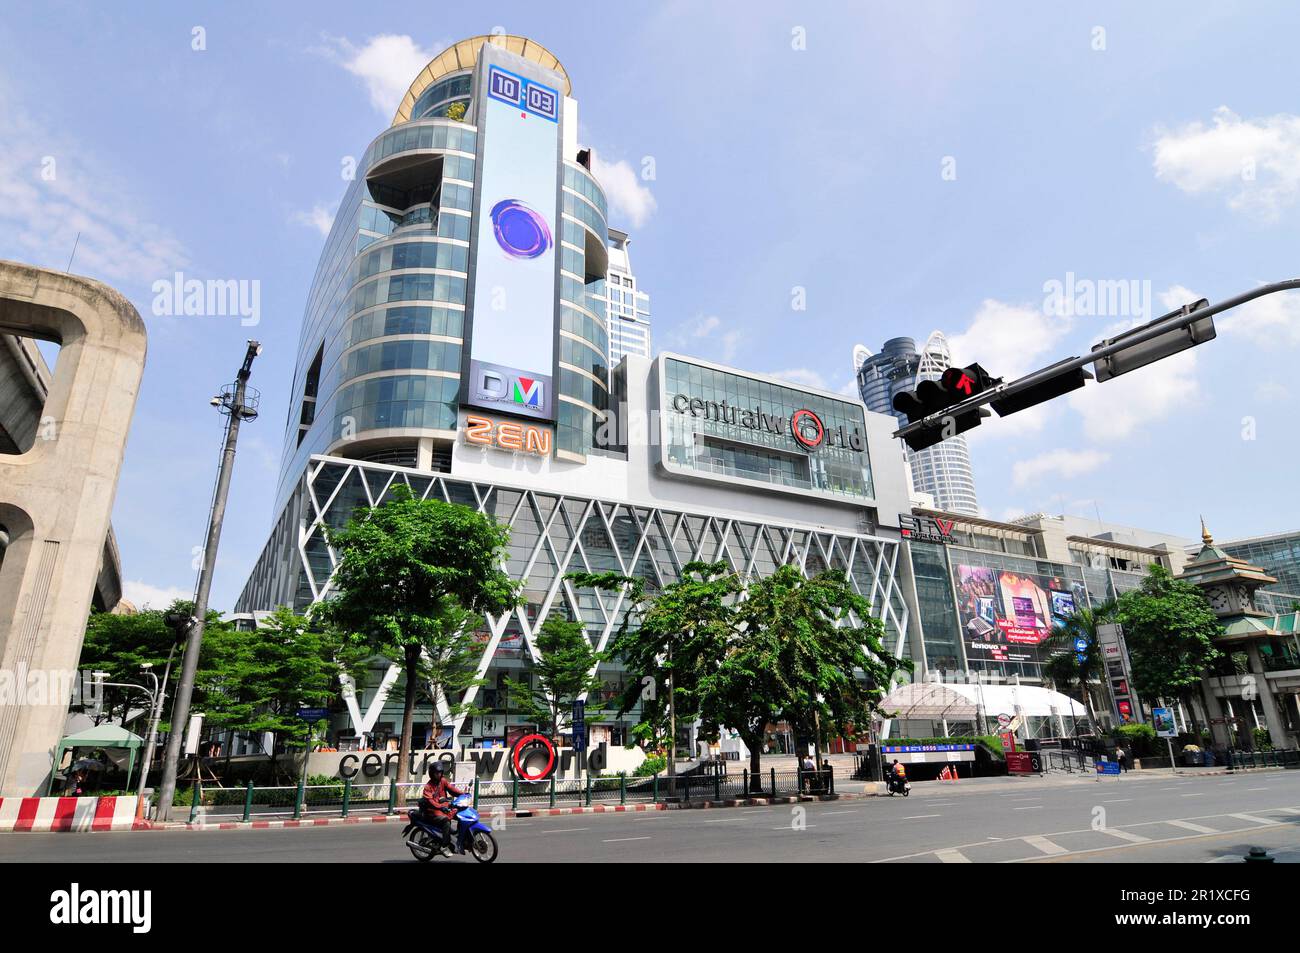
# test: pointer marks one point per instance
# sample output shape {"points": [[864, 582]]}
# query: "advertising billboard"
{"points": [[512, 316], [1006, 615]]}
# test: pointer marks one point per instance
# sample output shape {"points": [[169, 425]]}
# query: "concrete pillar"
{"points": [[57, 497], [1219, 731], [1272, 716]]}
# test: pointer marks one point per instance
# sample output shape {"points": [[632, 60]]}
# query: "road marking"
{"points": [[1289, 810], [1198, 794], [1115, 800], [723, 820], [619, 840], [790, 827], [1036, 807], [915, 817], [1259, 789], [1189, 826], [1029, 799], [952, 857], [1253, 819], [833, 813], [1125, 835], [1043, 844], [566, 830]]}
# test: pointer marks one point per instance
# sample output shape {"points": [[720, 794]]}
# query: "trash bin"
{"points": [[1193, 759]]}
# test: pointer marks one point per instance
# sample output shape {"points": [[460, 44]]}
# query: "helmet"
{"points": [[436, 769]]}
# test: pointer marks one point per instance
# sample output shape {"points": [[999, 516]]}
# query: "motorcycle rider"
{"points": [[435, 804], [897, 775]]}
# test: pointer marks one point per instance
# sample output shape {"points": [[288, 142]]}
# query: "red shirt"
{"points": [[438, 792]]}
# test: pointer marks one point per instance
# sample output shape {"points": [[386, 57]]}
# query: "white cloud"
{"points": [[696, 333], [320, 217], [1273, 320], [387, 64], [1062, 464], [1008, 341], [628, 196], [54, 195], [1254, 162], [143, 595], [1121, 406]]}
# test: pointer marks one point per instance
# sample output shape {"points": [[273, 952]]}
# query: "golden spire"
{"points": [[1206, 538]]}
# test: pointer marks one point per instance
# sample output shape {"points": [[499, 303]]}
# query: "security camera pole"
{"points": [[239, 404]]}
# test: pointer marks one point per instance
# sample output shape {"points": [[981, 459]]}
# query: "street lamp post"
{"points": [[239, 403]]}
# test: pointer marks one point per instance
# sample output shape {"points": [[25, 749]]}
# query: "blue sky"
{"points": [[900, 168]]}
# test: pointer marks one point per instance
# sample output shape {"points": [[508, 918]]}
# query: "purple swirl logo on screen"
{"points": [[521, 232]]}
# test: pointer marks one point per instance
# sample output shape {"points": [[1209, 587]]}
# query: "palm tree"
{"points": [[1066, 665]]}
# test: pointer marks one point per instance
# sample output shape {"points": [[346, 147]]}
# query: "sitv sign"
{"points": [[804, 426]]}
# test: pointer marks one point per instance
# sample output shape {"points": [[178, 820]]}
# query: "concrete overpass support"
{"points": [[56, 499]]}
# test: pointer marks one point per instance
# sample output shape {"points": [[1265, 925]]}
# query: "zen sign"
{"points": [[513, 435]]}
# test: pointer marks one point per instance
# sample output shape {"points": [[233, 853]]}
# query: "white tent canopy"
{"points": [[961, 701]]}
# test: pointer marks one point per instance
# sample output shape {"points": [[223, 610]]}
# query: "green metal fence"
{"points": [[345, 798]]}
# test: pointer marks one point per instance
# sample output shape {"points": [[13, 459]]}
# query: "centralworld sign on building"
{"points": [[804, 426]]}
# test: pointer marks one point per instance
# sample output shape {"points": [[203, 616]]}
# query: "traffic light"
{"points": [[932, 397], [1052, 385]]}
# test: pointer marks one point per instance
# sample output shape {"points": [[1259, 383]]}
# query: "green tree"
{"points": [[456, 111], [409, 571], [121, 645], [1170, 630], [806, 650], [565, 671], [289, 663], [1069, 668], [670, 641]]}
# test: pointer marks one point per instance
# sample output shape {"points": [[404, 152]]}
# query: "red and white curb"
{"points": [[67, 813]]}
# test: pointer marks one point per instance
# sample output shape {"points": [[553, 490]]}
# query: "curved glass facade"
{"points": [[395, 264], [583, 402], [435, 100]]}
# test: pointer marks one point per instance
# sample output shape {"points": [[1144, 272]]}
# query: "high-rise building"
{"points": [[943, 472], [629, 306], [455, 342], [1277, 553]]}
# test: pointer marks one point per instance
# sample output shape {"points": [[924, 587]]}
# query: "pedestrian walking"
{"points": [[1122, 757]]}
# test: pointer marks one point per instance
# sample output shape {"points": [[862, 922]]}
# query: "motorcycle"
{"points": [[897, 785], [424, 837]]}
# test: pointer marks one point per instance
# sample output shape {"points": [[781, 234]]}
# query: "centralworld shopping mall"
{"points": [[455, 341]]}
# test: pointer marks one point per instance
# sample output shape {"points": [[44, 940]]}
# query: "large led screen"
{"points": [[513, 314], [1006, 615]]}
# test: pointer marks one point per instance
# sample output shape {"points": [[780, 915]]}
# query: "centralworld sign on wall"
{"points": [[804, 427]]}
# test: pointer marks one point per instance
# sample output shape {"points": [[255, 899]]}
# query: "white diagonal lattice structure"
{"points": [[553, 534]]}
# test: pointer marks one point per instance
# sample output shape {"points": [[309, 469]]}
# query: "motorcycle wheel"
{"points": [[422, 846], [906, 791], [483, 846]]}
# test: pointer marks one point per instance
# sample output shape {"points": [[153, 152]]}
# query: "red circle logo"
{"points": [[525, 751], [806, 427]]}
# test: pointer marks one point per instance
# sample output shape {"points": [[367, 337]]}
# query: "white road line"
{"points": [[1189, 826], [1259, 789], [619, 840], [787, 827], [833, 813], [916, 817], [1043, 844], [1125, 835], [1036, 807], [1288, 810], [1197, 794], [1115, 800], [1253, 819], [952, 857], [723, 820], [1029, 799], [566, 830]]}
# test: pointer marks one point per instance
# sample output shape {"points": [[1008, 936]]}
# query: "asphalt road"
{"points": [[1150, 818]]}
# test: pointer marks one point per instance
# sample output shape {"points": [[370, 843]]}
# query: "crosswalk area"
{"points": [[1039, 847]]}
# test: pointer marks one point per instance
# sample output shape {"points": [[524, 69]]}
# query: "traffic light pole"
{"points": [[1174, 321], [239, 409]]}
